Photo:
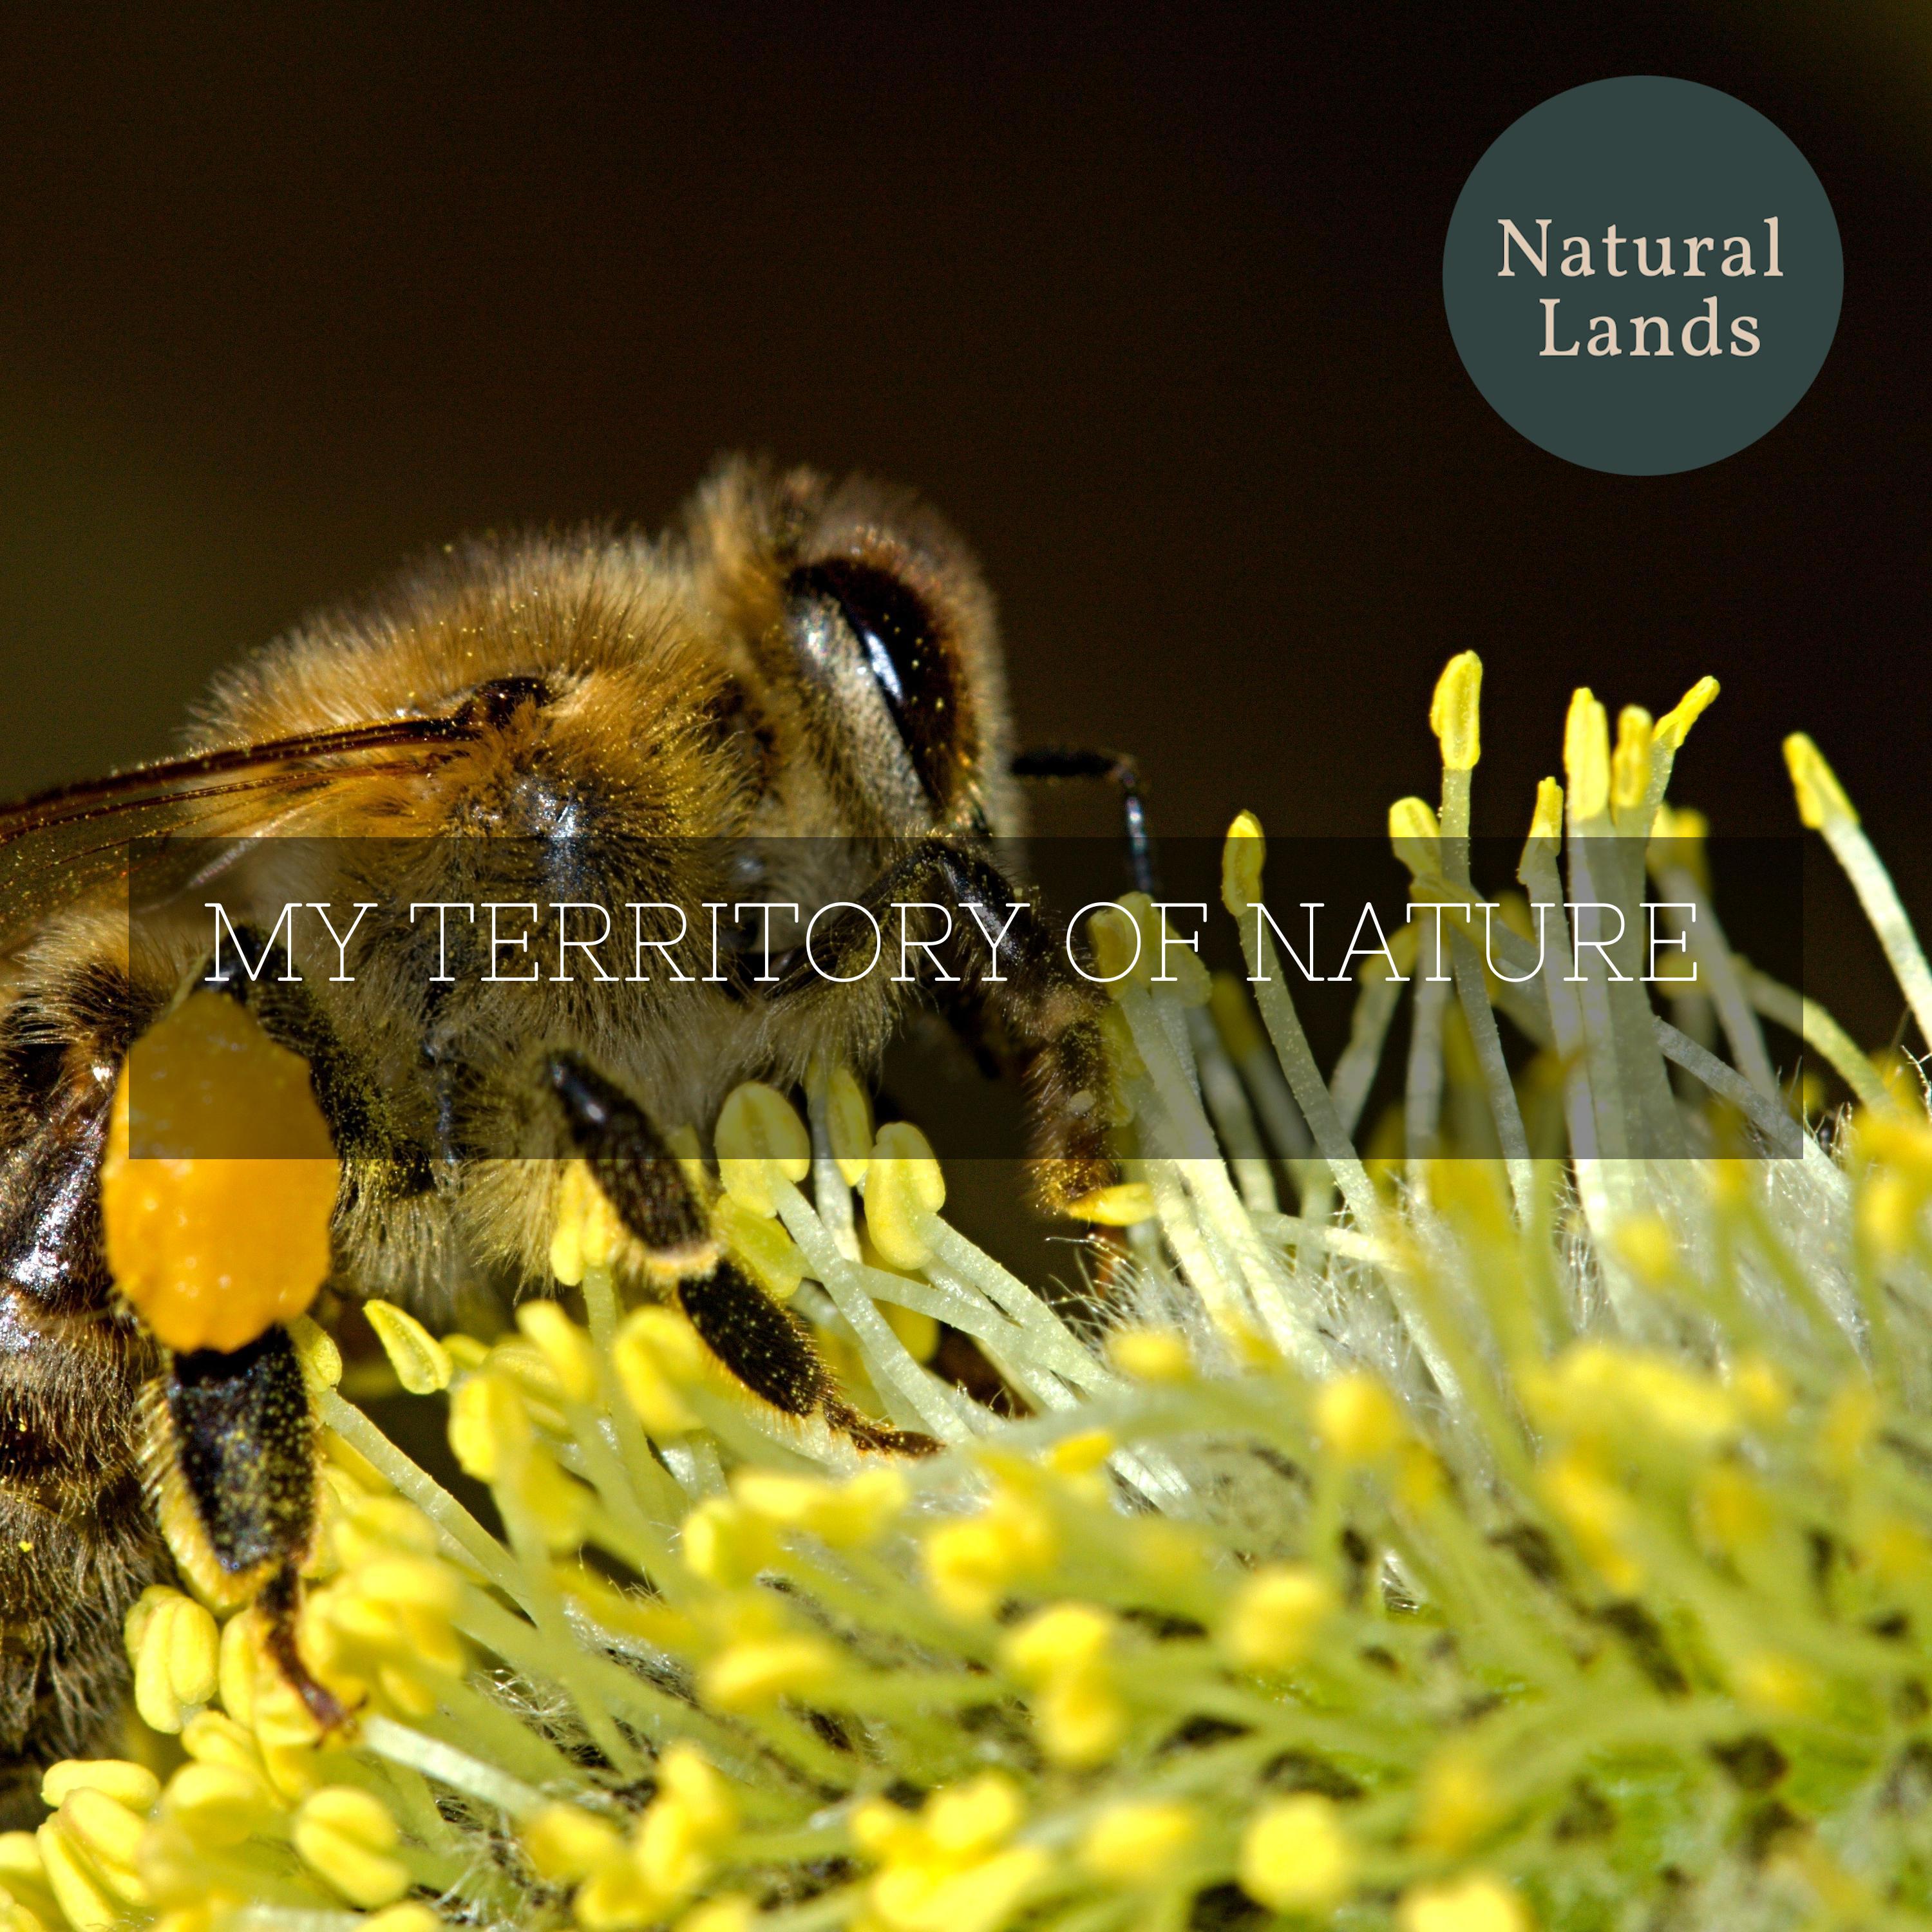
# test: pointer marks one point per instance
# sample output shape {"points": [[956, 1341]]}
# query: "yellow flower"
{"points": [[1141, 1842], [1295, 1855], [1275, 1615], [1357, 1418], [1476, 1904]]}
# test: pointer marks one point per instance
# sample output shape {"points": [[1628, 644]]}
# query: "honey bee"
{"points": [[795, 694]]}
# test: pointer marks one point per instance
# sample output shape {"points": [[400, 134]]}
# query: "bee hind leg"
{"points": [[231, 1462], [764, 1346]]}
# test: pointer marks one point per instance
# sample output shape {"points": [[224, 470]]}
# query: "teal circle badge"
{"points": [[1642, 275]]}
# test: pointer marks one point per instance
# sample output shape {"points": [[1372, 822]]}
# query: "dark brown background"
{"points": [[1149, 301]]}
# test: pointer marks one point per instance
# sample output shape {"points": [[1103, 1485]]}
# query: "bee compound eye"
{"points": [[901, 646]]}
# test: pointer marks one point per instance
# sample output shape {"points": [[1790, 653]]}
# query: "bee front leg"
{"points": [[1042, 1021], [765, 1347], [231, 1460]]}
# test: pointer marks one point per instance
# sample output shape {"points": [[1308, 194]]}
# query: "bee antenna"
{"points": [[1120, 768]]}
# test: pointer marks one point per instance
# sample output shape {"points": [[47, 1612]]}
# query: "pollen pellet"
{"points": [[224, 1230]]}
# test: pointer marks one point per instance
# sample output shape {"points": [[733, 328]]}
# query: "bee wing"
{"points": [[57, 846]]}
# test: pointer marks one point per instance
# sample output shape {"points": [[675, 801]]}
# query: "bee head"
{"points": [[864, 610]]}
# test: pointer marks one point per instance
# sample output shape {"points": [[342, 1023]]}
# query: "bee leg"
{"points": [[1118, 768], [1043, 1020], [231, 1462], [766, 1347]]}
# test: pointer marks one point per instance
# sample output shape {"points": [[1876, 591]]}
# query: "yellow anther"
{"points": [[176, 1651], [1078, 1455], [411, 1583], [315, 1347], [1586, 757], [848, 1124], [1850, 1420], [490, 1428], [240, 1661], [1119, 947], [1065, 1636], [967, 1821], [1897, 1141], [27, 1903], [218, 1804], [1455, 712], [881, 1829], [970, 1563], [758, 1129], [1680, 825], [1546, 821], [1357, 1418], [1731, 1511], [747, 1676], [1477, 1903], [1272, 1622], [1242, 856], [1888, 1207], [1064, 1650], [109, 1835], [526, 1366], [1151, 954], [653, 1352], [1598, 1514], [1150, 1354], [846, 1515], [904, 1184], [1124, 1204], [413, 1916], [1674, 727], [1079, 1719], [213, 1737], [1630, 763], [1595, 1385], [346, 1835], [1646, 1246], [132, 1785], [686, 1774], [589, 1233], [729, 1912], [565, 1347], [220, 1227], [1296, 1855], [761, 1243], [618, 1897], [1416, 835], [673, 1858], [931, 1896], [1234, 1017], [1777, 1685], [1821, 798], [1459, 1800], [84, 1899], [421, 1362], [1763, 1389], [918, 1331], [1139, 1843], [725, 1543]]}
